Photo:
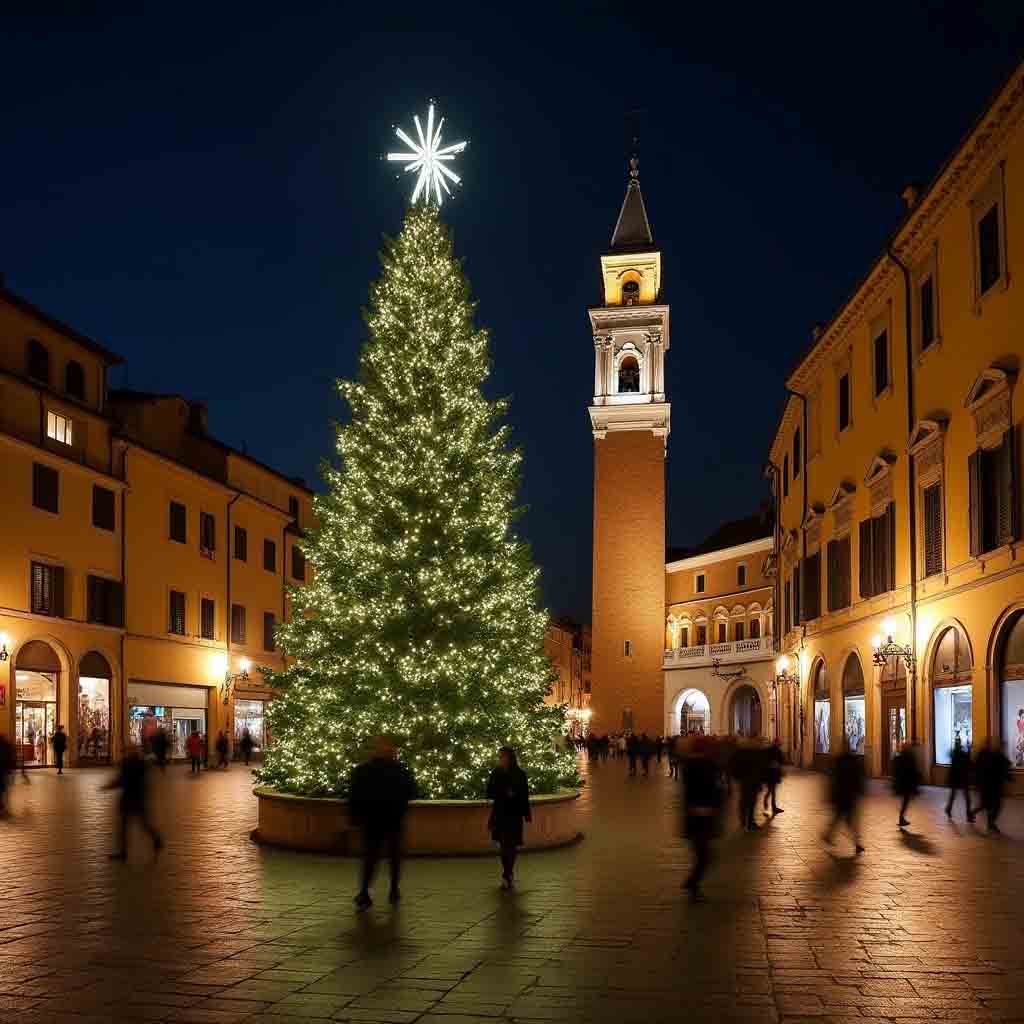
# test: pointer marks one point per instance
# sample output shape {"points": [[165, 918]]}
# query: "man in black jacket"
{"points": [[379, 798]]}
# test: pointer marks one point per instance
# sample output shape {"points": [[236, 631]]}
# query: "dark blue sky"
{"points": [[200, 188]]}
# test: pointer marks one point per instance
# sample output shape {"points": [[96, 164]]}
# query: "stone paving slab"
{"points": [[927, 924]]}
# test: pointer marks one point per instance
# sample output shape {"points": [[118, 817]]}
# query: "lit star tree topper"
{"points": [[422, 617], [429, 159]]}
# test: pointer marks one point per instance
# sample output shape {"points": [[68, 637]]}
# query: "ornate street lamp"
{"points": [[785, 677], [883, 651], [231, 678]]}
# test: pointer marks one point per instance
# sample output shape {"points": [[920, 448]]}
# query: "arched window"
{"points": [[631, 293], [854, 722], [894, 710], [38, 361], [74, 380], [37, 672], [1011, 677], [629, 375], [94, 708], [822, 711], [952, 673], [694, 713]]}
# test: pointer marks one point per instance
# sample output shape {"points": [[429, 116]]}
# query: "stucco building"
{"points": [[897, 467], [144, 563], [568, 645]]}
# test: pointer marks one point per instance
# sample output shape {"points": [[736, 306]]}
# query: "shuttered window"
{"points": [[74, 380], [207, 534], [176, 618], [927, 300], [298, 563], [238, 624], [993, 497], [881, 362], [270, 556], [102, 507], [738, 631], [207, 619], [105, 601], [933, 529], [787, 607], [808, 602], [878, 553], [269, 622], [178, 523], [47, 589], [989, 250], [844, 401], [796, 453], [45, 487], [867, 575], [38, 360], [839, 574], [241, 544], [741, 576]]}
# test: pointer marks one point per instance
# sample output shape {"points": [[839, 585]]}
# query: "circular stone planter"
{"points": [[431, 827]]}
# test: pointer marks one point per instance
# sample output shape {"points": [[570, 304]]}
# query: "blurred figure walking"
{"points": [[847, 788], [379, 797], [194, 746], [222, 749], [994, 771], [509, 790], [645, 748], [245, 744], [772, 765], [631, 752], [959, 778], [906, 779], [158, 744], [8, 765], [132, 782], [745, 766], [59, 742], [702, 807]]}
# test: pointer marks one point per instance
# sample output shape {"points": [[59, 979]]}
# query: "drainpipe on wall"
{"points": [[803, 548], [227, 614], [911, 492], [124, 599]]}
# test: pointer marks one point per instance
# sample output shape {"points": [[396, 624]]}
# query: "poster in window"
{"points": [[822, 714], [854, 724], [1013, 721], [952, 719]]}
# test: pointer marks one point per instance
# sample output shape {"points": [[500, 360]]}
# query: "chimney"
{"points": [[197, 418], [911, 193]]}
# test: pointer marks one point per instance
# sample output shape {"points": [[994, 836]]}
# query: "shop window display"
{"points": [[249, 715], [952, 719], [822, 719], [93, 718], [1011, 671], [853, 723], [143, 723], [35, 717]]}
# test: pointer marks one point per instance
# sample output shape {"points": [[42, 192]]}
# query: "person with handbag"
{"points": [[509, 791]]}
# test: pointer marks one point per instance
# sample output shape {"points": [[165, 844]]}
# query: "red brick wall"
{"points": [[629, 580]]}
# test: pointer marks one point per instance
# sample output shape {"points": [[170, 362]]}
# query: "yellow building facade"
{"points": [[145, 563], [897, 472], [568, 646]]}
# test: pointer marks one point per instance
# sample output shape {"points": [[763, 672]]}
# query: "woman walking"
{"points": [[509, 791]]}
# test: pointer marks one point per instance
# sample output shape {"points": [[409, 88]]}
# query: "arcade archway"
{"points": [[692, 713], [745, 717]]}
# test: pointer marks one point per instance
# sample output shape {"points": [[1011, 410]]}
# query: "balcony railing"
{"points": [[736, 650]]}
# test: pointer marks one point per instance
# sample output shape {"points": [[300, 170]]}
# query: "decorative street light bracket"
{"points": [[728, 676], [891, 649]]}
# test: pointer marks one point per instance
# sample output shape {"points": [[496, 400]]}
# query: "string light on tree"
{"points": [[430, 159], [421, 618]]}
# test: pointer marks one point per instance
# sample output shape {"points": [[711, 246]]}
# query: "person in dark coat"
{"points": [[159, 747], [645, 748], [134, 801], [245, 744], [222, 750], [379, 796], [60, 745], [959, 778], [847, 787], [632, 745], [772, 761], [8, 764], [509, 791], [702, 807], [906, 779], [745, 767], [993, 771]]}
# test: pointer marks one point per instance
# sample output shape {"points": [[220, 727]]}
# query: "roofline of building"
{"points": [[750, 547], [110, 358], [1010, 90]]}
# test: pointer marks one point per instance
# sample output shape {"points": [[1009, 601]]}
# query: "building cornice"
{"points": [[652, 416], [751, 547]]}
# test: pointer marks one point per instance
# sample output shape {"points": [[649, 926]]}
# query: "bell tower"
{"points": [[630, 419]]}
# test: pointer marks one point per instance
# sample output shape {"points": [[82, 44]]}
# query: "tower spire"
{"points": [[632, 229]]}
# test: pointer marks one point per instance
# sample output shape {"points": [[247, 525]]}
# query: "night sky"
{"points": [[201, 190]]}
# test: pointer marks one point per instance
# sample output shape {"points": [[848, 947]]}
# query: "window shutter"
{"points": [[177, 623], [1007, 496], [847, 572], [867, 588], [787, 610], [881, 543], [238, 624], [833, 575], [974, 474], [57, 604], [797, 604], [891, 541], [206, 609], [94, 599], [933, 530], [115, 603]]}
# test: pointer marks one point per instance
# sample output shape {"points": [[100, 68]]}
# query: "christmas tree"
{"points": [[421, 619]]}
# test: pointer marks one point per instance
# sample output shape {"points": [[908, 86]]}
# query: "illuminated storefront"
{"points": [[94, 709], [952, 675], [177, 710], [249, 715], [822, 712], [854, 723]]}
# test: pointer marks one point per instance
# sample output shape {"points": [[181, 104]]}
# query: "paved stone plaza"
{"points": [[925, 925]]}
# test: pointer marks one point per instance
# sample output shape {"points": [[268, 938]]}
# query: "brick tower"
{"points": [[630, 420]]}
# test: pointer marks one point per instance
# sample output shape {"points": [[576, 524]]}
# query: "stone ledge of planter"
{"points": [[432, 827]]}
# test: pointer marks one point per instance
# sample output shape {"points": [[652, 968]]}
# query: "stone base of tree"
{"points": [[433, 827]]}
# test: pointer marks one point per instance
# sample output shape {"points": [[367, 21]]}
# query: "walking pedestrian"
{"points": [[959, 778], [132, 782], [222, 750], [59, 742], [993, 772], [509, 791], [8, 764], [772, 765], [645, 749], [847, 787], [702, 803], [906, 779], [631, 752], [745, 768], [246, 745], [659, 746], [380, 792], [194, 747], [158, 744]]}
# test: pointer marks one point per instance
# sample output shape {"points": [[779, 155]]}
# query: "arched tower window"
{"points": [[38, 361], [74, 380], [631, 293], [629, 375]]}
